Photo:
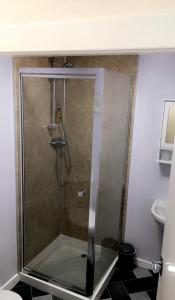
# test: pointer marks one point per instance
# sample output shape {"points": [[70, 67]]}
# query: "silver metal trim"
{"points": [[62, 71], [95, 164], [56, 76], [76, 73], [21, 173]]}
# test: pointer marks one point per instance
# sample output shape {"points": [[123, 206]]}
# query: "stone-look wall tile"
{"points": [[71, 197], [76, 210], [42, 224], [79, 126], [121, 63], [81, 151], [43, 210], [41, 184], [76, 223]]}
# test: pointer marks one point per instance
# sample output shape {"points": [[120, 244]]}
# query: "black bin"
{"points": [[126, 260]]}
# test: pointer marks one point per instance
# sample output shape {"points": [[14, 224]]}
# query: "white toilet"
{"points": [[9, 295]]}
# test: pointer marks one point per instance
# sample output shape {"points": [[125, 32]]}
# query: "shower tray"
{"points": [[65, 260]]}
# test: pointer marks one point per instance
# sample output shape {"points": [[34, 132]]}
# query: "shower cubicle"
{"points": [[74, 137]]}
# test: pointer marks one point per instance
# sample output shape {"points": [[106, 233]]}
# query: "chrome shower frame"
{"points": [[96, 74]]}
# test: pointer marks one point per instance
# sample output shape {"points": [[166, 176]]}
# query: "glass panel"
{"points": [[57, 178], [42, 193], [170, 132], [115, 117]]}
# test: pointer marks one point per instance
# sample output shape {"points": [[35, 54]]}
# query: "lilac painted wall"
{"points": [[148, 179]]}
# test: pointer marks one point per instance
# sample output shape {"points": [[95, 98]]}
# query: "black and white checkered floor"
{"points": [[140, 284]]}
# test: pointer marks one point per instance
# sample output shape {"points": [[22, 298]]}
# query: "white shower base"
{"points": [[62, 260]]}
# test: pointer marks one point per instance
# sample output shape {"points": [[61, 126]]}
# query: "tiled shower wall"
{"points": [[79, 103], [78, 123], [42, 204], [77, 209]]}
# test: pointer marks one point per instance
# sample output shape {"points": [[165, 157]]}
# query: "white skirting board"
{"points": [[11, 282], [144, 263]]}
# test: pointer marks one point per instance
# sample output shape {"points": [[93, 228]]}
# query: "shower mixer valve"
{"points": [[58, 142]]}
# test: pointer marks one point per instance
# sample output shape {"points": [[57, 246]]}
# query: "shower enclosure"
{"points": [[74, 134]]}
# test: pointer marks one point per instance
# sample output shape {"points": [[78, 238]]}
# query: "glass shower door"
{"points": [[112, 169], [56, 189], [73, 173], [41, 189]]}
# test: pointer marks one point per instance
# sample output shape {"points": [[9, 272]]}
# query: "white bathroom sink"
{"points": [[158, 210]]}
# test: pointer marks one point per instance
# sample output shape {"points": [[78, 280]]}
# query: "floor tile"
{"points": [[56, 298], [118, 291], [155, 275], [105, 294], [152, 294], [139, 285], [20, 283], [139, 296], [122, 276], [24, 291], [37, 293], [141, 273]]}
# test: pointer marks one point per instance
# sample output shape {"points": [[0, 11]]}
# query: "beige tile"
{"points": [[73, 225]]}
